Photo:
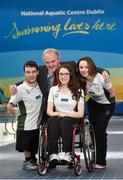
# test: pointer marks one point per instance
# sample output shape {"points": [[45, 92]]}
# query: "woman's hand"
{"points": [[106, 76], [55, 114], [61, 114]]}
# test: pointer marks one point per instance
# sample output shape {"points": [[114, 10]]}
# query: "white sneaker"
{"points": [[68, 157], [54, 158], [61, 155], [29, 165], [65, 156]]}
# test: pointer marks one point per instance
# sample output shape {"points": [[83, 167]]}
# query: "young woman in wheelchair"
{"points": [[65, 108]]}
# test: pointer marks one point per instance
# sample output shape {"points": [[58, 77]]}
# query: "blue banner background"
{"points": [[97, 17], [76, 28]]}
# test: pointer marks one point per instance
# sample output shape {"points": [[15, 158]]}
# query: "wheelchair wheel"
{"points": [[89, 146], [42, 153], [78, 169]]}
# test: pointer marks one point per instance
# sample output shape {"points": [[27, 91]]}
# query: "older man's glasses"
{"points": [[64, 74]]}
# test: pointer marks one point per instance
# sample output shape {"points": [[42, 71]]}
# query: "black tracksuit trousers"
{"points": [[99, 116], [60, 127]]}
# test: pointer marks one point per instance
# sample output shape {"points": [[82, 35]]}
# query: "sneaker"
{"points": [[29, 165], [61, 155], [68, 157], [65, 157], [98, 166], [35, 162], [54, 159]]}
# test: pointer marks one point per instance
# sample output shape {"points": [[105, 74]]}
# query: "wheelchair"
{"points": [[83, 138]]}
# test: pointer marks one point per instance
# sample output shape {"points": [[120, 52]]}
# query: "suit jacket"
{"points": [[42, 77]]}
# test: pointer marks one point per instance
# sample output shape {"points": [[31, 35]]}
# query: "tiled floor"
{"points": [[11, 161]]}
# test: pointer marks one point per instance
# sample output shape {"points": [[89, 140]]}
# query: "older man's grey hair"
{"points": [[48, 50]]}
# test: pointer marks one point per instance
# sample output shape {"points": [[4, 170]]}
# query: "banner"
{"points": [[76, 28]]}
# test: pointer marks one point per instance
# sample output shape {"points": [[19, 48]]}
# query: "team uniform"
{"points": [[63, 102], [29, 100], [100, 108]]}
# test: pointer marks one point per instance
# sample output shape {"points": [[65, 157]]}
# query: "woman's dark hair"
{"points": [[30, 64], [92, 71], [73, 83]]}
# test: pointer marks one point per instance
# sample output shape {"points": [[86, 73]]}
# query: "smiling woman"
{"points": [[65, 108], [101, 104]]}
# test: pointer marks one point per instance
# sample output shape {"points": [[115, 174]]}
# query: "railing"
{"points": [[8, 121]]}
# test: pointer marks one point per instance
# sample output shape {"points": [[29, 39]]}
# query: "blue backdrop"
{"points": [[76, 28]]}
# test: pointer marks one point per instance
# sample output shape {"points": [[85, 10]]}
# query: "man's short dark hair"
{"points": [[30, 64]]}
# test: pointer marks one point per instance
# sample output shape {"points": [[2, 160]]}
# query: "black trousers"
{"points": [[60, 128], [27, 140], [99, 116]]}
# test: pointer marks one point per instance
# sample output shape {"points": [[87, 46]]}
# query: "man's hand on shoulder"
{"points": [[106, 76], [13, 89]]}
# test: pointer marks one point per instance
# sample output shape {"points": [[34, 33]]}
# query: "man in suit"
{"points": [[46, 77]]}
